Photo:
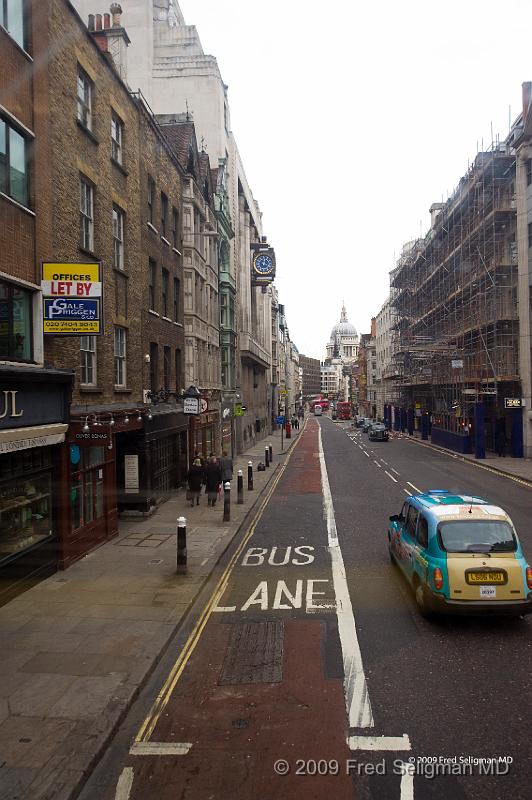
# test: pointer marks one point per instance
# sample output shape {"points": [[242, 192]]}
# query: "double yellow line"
{"points": [[149, 724]]}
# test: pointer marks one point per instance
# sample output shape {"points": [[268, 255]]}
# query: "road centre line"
{"points": [[358, 706], [394, 470], [407, 492], [377, 463], [366, 453], [391, 476], [149, 724], [379, 742], [414, 487], [384, 462]]}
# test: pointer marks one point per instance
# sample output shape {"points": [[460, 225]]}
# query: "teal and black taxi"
{"points": [[461, 554]]}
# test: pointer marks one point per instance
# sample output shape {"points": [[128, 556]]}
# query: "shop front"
{"points": [[34, 407], [204, 434]]}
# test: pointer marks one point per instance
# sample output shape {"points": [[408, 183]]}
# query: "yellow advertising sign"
{"points": [[72, 298], [80, 327], [71, 272]]}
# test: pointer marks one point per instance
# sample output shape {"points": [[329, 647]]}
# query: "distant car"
{"points": [[461, 555], [318, 411], [378, 433], [359, 421], [367, 425]]}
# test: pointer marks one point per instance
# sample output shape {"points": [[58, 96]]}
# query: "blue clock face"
{"points": [[263, 264]]}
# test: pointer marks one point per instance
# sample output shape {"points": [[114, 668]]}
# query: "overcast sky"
{"points": [[352, 118]]}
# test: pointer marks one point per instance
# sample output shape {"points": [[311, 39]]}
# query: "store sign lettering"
{"points": [[10, 404]]}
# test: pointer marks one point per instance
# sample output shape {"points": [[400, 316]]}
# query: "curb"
{"points": [[96, 757], [496, 471]]}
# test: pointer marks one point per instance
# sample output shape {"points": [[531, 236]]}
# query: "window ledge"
{"points": [[154, 313], [90, 389], [179, 324], [152, 227], [179, 253], [88, 131], [121, 272], [122, 390], [165, 240], [120, 167], [167, 319], [17, 204], [87, 252], [17, 45]]}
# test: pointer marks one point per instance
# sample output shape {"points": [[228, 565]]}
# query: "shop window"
{"points": [[13, 163], [87, 348], [15, 323], [25, 500], [87, 485]]}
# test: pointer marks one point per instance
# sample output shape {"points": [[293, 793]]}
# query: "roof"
{"points": [[457, 506]]}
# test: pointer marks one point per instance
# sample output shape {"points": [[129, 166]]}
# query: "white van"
{"points": [[318, 411]]}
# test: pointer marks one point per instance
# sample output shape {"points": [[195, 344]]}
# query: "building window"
{"points": [[175, 228], [85, 87], [87, 348], [166, 367], [528, 171], [86, 221], [118, 238], [117, 137], [151, 199], [152, 284], [530, 234], [164, 292], [164, 213], [178, 376], [87, 487], [16, 335], [154, 366], [120, 357], [176, 299], [13, 163], [12, 19]]}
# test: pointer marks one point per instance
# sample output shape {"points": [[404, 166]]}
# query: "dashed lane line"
{"points": [[379, 742], [160, 748], [377, 463], [394, 470], [414, 487], [391, 476], [407, 492]]}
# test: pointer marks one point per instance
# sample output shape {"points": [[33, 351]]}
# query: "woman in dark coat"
{"points": [[195, 477], [213, 479]]}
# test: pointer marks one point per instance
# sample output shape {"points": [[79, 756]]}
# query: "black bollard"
{"points": [[181, 561], [240, 488], [266, 456], [250, 476], [270, 448], [227, 502]]}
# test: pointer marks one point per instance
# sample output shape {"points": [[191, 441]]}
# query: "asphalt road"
{"points": [[315, 642]]}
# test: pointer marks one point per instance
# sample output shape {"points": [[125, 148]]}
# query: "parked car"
{"points": [[378, 433], [367, 425], [461, 555]]}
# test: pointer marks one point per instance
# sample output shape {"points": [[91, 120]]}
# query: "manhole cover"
{"points": [[254, 654]]}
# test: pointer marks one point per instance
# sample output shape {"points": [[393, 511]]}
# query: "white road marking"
{"points": [[377, 463], [390, 476], [379, 742], [360, 446], [366, 453], [394, 470], [407, 492], [124, 784], [160, 748], [224, 608], [384, 462], [407, 782], [357, 702], [414, 487], [204, 562]]}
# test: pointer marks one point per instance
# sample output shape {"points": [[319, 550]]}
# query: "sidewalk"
{"points": [[76, 648], [516, 468]]}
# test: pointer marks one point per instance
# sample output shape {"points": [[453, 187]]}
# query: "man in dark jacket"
{"points": [[195, 478], [213, 479], [226, 465]]}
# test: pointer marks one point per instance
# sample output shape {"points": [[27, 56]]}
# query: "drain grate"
{"points": [[254, 654]]}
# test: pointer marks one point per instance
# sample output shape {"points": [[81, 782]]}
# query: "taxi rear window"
{"points": [[476, 536]]}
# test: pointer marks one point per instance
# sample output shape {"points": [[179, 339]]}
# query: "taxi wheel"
{"points": [[421, 600]]}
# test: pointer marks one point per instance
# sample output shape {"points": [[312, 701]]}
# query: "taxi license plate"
{"points": [[485, 577]]}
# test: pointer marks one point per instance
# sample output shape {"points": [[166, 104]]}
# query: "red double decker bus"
{"points": [[343, 410]]}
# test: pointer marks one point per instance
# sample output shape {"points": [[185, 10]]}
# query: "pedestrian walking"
{"points": [[500, 443], [195, 478], [226, 465], [213, 479]]}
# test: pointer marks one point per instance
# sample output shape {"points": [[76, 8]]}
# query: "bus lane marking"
{"points": [[125, 784], [357, 701]]}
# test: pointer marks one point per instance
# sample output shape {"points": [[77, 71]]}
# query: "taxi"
{"points": [[461, 555]]}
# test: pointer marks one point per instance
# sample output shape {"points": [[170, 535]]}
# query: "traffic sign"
{"points": [[279, 420]]}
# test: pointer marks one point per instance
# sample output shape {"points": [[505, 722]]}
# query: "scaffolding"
{"points": [[454, 293]]}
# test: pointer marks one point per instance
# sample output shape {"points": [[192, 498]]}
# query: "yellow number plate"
{"points": [[486, 577]]}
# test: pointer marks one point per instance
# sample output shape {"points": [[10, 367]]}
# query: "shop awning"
{"points": [[37, 436]]}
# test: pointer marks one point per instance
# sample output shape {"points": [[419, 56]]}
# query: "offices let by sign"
{"points": [[72, 299]]}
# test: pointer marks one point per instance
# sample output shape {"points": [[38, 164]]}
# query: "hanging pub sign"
{"points": [[262, 265], [72, 299]]}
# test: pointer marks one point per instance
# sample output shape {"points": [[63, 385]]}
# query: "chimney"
{"points": [[112, 39]]}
